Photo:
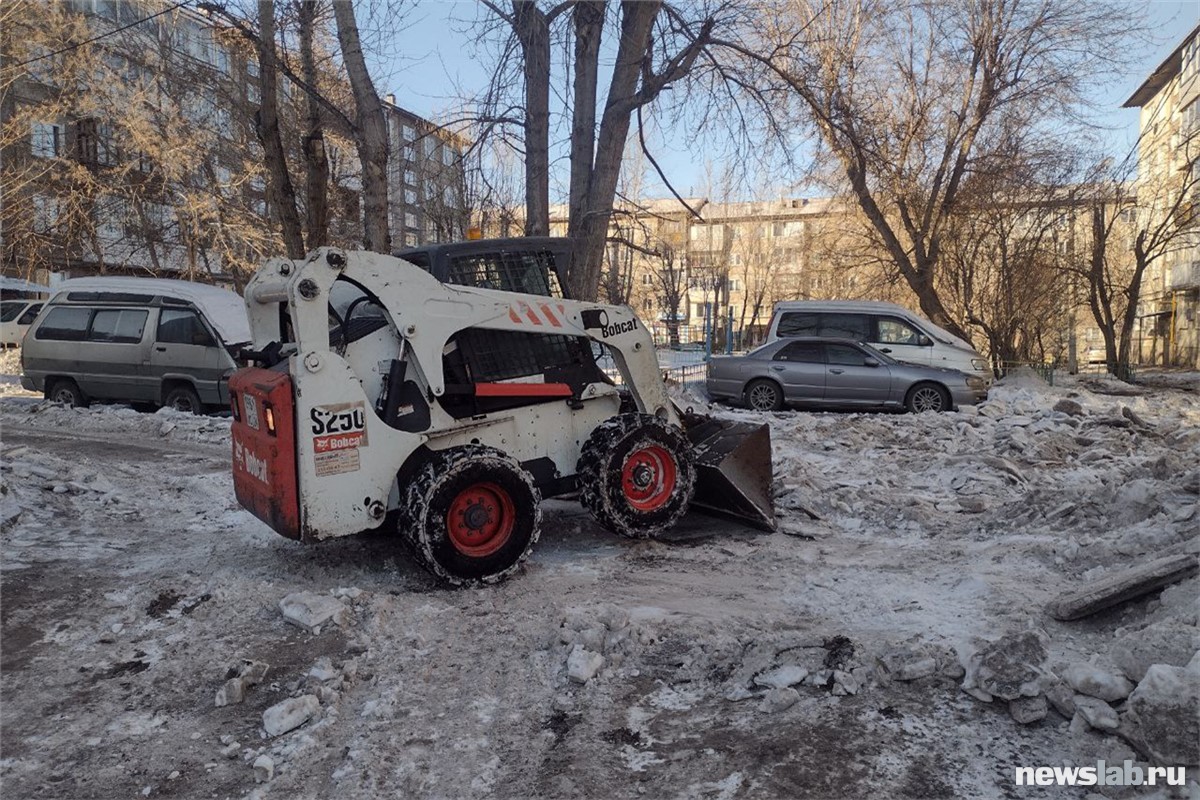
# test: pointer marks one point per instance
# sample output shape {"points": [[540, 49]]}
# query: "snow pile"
{"points": [[131, 425]]}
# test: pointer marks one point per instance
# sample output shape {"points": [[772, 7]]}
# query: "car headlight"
{"points": [[978, 364], [976, 382]]}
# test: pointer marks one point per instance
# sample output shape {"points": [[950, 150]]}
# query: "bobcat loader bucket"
{"points": [[733, 469]]}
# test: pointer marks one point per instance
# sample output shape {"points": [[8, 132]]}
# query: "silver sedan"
{"points": [[836, 372]]}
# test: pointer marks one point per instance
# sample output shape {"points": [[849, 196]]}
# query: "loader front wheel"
{"points": [[471, 515], [637, 474]]}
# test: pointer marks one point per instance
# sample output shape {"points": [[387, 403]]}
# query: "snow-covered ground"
{"points": [[825, 660]]}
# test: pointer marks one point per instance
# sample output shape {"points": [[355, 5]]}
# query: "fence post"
{"points": [[708, 333], [729, 333]]}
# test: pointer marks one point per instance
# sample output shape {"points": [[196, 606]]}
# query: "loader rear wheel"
{"points": [[637, 475], [471, 515]]}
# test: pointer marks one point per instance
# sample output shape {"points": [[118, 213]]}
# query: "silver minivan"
{"points": [[889, 328], [147, 341]]}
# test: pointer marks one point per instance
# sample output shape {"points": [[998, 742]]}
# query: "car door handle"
{"points": [[161, 349], [885, 349], [836, 371], [777, 367]]}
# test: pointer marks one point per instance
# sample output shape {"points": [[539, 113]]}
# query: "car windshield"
{"points": [[10, 309], [761, 350]]}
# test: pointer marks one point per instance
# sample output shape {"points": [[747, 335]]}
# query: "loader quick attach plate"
{"points": [[264, 447], [733, 470]]}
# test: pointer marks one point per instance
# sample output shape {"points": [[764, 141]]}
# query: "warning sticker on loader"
{"points": [[335, 462], [338, 431]]}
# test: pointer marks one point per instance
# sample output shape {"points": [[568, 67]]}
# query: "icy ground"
{"points": [[825, 660]]}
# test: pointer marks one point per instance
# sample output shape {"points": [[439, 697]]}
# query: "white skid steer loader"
{"points": [[380, 389]]}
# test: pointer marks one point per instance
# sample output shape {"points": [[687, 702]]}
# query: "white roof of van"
{"points": [[223, 308], [873, 305]]}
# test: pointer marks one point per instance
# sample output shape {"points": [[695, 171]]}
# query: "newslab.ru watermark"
{"points": [[1103, 774]]}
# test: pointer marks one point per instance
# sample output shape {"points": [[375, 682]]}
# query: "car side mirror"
{"points": [[870, 362], [923, 340]]}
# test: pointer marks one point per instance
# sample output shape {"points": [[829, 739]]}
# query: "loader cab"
{"points": [[528, 265]]}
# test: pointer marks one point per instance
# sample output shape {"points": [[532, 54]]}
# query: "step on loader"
{"points": [[382, 396]]}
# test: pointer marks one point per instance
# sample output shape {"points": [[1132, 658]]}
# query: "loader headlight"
{"points": [[975, 382], [269, 416]]}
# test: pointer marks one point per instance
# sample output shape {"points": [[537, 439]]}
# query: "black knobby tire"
{"points": [[67, 392], [637, 475], [757, 393], [183, 398], [471, 515], [927, 397]]}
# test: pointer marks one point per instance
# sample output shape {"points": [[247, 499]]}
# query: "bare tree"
{"points": [[370, 132], [670, 279], [1132, 227], [908, 97], [1001, 252]]}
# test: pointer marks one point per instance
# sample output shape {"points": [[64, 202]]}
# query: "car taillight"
{"points": [[269, 416]]}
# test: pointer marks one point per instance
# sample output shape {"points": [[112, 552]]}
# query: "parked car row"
{"points": [[808, 371]]}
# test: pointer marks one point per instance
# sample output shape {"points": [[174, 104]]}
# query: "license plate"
{"points": [[250, 408]]}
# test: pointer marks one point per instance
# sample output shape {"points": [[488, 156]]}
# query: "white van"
{"points": [[887, 327], [150, 341]]}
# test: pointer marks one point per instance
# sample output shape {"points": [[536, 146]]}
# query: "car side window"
{"points": [[178, 326], [120, 325], [895, 331], [795, 323], [807, 352], [65, 323], [845, 326], [30, 314], [845, 355]]}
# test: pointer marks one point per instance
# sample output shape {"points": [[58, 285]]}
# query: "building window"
{"points": [[410, 177], [407, 133], [410, 220], [448, 198], [252, 93], [45, 213], [93, 143], [46, 139], [410, 196], [647, 279], [252, 68], [448, 156], [408, 152], [410, 240]]}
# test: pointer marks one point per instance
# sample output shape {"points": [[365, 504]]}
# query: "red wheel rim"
{"points": [[481, 519], [648, 477]]}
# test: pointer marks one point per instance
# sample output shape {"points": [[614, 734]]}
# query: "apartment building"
{"points": [[1168, 188], [725, 261], [426, 182], [137, 153]]}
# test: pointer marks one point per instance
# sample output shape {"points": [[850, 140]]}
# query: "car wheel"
{"points": [[471, 515], [183, 398], [637, 475], [927, 397], [67, 392], [764, 395]]}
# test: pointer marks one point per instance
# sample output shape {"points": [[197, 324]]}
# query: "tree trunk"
{"points": [[370, 133], [588, 228], [282, 193], [589, 27], [316, 163], [533, 33]]}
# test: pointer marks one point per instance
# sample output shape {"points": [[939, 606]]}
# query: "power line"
{"points": [[133, 24]]}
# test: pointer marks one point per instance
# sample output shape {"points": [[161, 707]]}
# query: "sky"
{"points": [[432, 53]]}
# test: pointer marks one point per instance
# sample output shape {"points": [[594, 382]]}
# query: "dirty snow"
{"points": [[826, 660]]}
